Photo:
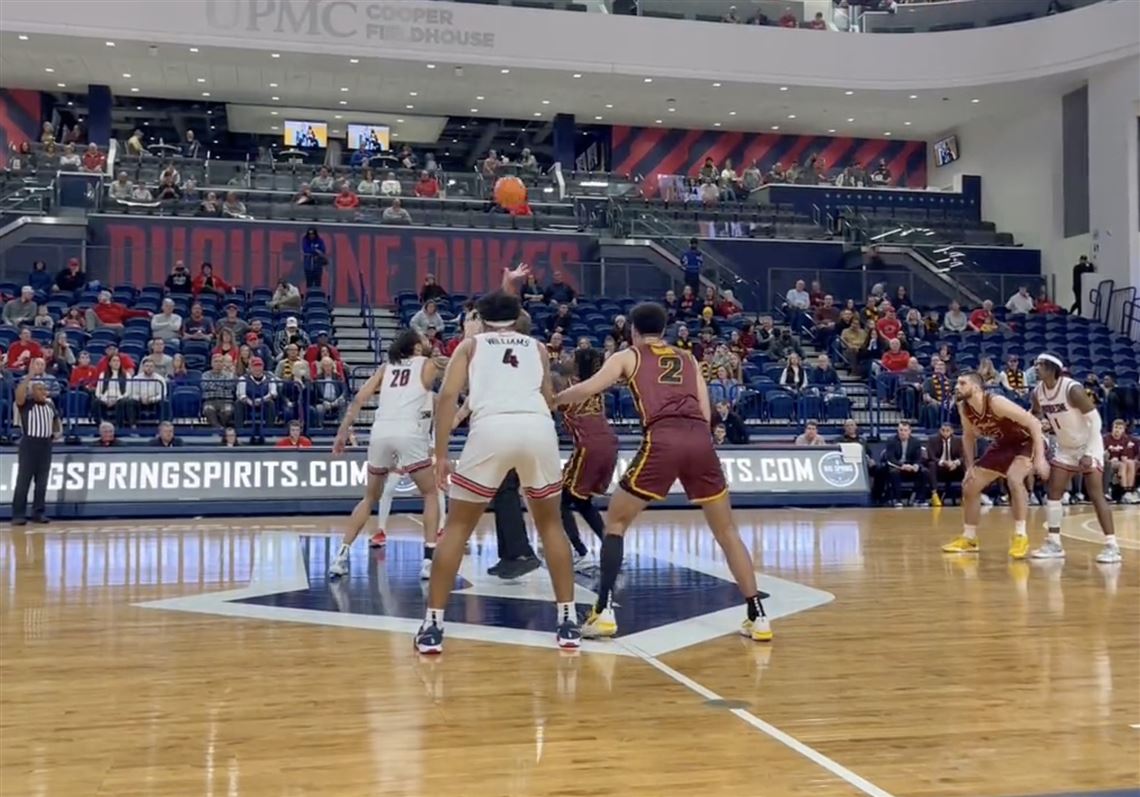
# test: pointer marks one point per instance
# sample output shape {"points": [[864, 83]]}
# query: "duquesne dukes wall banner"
{"points": [[140, 251]]}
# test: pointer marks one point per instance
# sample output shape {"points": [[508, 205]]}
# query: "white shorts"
{"points": [[498, 443], [406, 452], [1070, 458]]}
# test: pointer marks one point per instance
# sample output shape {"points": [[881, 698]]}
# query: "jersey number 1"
{"points": [[510, 359]]}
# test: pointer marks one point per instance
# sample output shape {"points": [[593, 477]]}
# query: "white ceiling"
{"points": [[310, 85]]}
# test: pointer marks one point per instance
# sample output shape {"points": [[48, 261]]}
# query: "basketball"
{"points": [[510, 192]]}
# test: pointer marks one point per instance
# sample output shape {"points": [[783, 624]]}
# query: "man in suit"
{"points": [[944, 453], [905, 459]]}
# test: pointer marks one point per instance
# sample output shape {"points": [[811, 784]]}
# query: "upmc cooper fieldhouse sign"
{"points": [[401, 21], [285, 477]]}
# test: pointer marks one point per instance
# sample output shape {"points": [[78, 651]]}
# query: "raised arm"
{"points": [[367, 391], [513, 276], [619, 366]]}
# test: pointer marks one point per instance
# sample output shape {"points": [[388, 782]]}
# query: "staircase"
{"points": [[357, 352]]}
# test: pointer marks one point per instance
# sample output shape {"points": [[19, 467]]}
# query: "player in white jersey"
{"points": [[400, 439], [507, 379], [1076, 423]]}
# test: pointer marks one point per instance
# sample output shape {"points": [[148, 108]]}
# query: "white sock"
{"points": [[442, 508], [566, 611], [1055, 537], [1019, 528], [434, 617], [970, 532], [1110, 540], [386, 500]]}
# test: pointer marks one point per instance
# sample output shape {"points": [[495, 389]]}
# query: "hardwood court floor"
{"points": [[925, 675]]}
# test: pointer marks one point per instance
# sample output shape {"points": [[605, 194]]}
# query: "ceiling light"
{"points": [[455, 141], [831, 129], [410, 107], [61, 85], [209, 113], [395, 135], [672, 110], [906, 124], [775, 127], [546, 102], [648, 80], [70, 103], [732, 113], [272, 85], [791, 116], [146, 124], [887, 133], [463, 127], [22, 37], [576, 75], [783, 88], [134, 90], [851, 119], [127, 75], [413, 94], [275, 55], [597, 118], [848, 92], [354, 60], [193, 49], [716, 85], [716, 124], [657, 121], [275, 99], [344, 88], [138, 107], [914, 96], [474, 110], [399, 121], [479, 97], [975, 100], [344, 102], [205, 94], [538, 113], [504, 71], [337, 116], [609, 105], [431, 66], [48, 69], [275, 127], [201, 80], [274, 113], [110, 44]]}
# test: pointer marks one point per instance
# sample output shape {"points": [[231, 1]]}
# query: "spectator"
{"points": [[824, 376], [329, 390], [707, 321], [233, 207], [257, 397], [43, 319], [391, 186], [62, 357], [178, 282], [304, 196], [122, 189], [21, 310], [208, 282], [559, 291], [292, 334], [818, 22], [396, 214], [163, 362], [903, 457], [945, 462], [93, 159], [140, 193], [110, 351], [561, 320], [219, 391], [731, 17], [902, 300], [84, 375], [816, 294], [147, 391], [693, 261], [229, 437], [946, 355], [982, 319], [684, 341], [937, 395], [724, 388], [798, 298], [1021, 303], [1013, 381], [720, 435], [671, 305], [39, 278], [955, 320], [1121, 451], [113, 396], [621, 331], [1082, 267], [197, 326], [107, 438], [987, 372], [913, 330], [321, 348], [882, 173], [72, 278], [368, 185], [531, 291], [895, 360], [70, 160], [687, 304], [22, 351], [323, 182], [166, 324], [231, 321], [295, 438], [227, 346], [346, 199], [810, 436], [784, 345], [166, 437], [426, 318], [293, 372], [111, 315], [724, 415], [135, 144], [853, 339], [489, 166], [793, 376], [427, 186], [431, 290], [286, 296], [406, 157], [1044, 305], [826, 319], [931, 324], [888, 325]]}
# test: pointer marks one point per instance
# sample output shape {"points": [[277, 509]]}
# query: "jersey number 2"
{"points": [[671, 368], [510, 359], [400, 377]]}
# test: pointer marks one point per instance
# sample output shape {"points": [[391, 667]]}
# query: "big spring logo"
{"points": [[837, 471]]}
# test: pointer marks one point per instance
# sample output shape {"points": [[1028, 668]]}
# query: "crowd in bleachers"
{"points": [[196, 351]]}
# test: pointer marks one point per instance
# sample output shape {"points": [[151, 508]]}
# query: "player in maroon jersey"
{"points": [[1017, 448], [673, 402], [590, 468], [1120, 450]]}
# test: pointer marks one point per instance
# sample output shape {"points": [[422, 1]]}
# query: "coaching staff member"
{"points": [[40, 422]]}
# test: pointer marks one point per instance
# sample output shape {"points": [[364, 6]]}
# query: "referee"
{"points": [[40, 422]]}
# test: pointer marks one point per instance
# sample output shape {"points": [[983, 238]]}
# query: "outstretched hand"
{"points": [[520, 273]]}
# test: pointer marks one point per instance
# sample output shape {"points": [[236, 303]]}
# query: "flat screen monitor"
{"points": [[946, 150], [306, 135], [373, 138]]}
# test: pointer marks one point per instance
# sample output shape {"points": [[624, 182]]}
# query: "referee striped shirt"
{"points": [[38, 420]]}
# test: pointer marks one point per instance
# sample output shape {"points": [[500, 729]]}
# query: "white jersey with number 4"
{"points": [[504, 376], [1068, 424], [404, 404]]}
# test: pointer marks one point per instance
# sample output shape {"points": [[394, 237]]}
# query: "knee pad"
{"points": [[1053, 514]]}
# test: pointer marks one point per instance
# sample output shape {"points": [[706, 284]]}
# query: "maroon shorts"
{"points": [[1000, 456], [590, 469], [674, 450]]}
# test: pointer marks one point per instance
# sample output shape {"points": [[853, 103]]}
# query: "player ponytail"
{"points": [[403, 346]]}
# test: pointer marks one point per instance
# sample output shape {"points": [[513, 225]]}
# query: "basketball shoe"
{"points": [[1109, 555], [961, 545], [429, 639], [569, 634], [378, 540], [600, 624], [1049, 550], [1019, 546], [759, 630]]}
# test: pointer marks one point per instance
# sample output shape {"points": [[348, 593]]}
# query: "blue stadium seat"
{"points": [[837, 407], [186, 402], [780, 405]]}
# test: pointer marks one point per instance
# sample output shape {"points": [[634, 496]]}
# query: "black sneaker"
{"points": [[429, 639], [19, 521], [569, 634], [494, 569], [43, 521], [517, 568]]}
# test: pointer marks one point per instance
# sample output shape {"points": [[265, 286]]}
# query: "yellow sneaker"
{"points": [[935, 500], [758, 630], [600, 624], [961, 545], [1019, 546]]}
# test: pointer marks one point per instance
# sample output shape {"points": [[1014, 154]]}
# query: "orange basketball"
{"points": [[510, 192]]}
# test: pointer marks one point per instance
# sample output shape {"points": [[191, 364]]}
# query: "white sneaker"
{"points": [[425, 570], [1066, 499], [1049, 550], [1109, 555], [1131, 498], [600, 624], [338, 568], [986, 500]]}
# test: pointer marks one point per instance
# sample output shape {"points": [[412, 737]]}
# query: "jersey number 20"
{"points": [[400, 377]]}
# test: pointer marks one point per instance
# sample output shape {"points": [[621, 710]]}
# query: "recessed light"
{"points": [[791, 116], [274, 113], [648, 80], [70, 103], [110, 44], [138, 107], [413, 94], [716, 124], [455, 141], [431, 66], [272, 85], [474, 110], [410, 107], [127, 75], [336, 132], [887, 133], [146, 124], [275, 99], [205, 94], [134, 90], [597, 118], [463, 127], [831, 129], [975, 100], [849, 92], [61, 85], [538, 113], [907, 124], [672, 110], [850, 118], [48, 69], [716, 85], [914, 96], [546, 102], [775, 127], [344, 88], [337, 116], [399, 121], [275, 127], [504, 71], [657, 121], [395, 135], [479, 97], [344, 102], [576, 75], [275, 55], [783, 88], [22, 37], [193, 49], [609, 105], [732, 113], [209, 113], [354, 60], [201, 80]]}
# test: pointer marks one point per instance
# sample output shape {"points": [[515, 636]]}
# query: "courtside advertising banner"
{"points": [[243, 475]]}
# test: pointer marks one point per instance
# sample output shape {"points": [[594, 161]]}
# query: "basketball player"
{"points": [[590, 468], [673, 402], [1075, 420], [509, 395], [400, 438], [1017, 447]]}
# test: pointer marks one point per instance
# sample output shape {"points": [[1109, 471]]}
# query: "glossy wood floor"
{"points": [[926, 675]]}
